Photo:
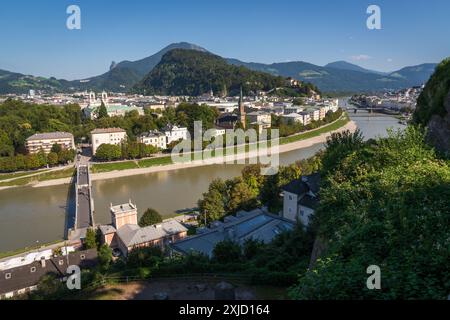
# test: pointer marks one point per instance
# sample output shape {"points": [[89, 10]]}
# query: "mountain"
{"points": [[337, 76], [332, 79], [433, 107], [416, 74], [11, 82], [192, 73], [124, 75], [344, 65]]}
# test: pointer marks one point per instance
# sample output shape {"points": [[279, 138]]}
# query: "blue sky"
{"points": [[35, 39]]}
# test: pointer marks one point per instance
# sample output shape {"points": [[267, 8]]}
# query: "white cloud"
{"points": [[390, 60], [361, 57]]}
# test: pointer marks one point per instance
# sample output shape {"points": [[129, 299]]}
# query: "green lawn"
{"points": [[311, 134], [7, 176], [60, 174], [161, 161], [106, 167]]}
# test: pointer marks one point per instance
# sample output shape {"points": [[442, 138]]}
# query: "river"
{"points": [[31, 216]]}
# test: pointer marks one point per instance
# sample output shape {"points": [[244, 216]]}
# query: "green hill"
{"points": [[433, 107], [191, 72], [11, 82]]}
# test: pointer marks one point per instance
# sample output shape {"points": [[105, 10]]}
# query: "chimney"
{"points": [[43, 263]]}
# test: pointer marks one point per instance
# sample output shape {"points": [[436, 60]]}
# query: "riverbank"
{"points": [[106, 171], [283, 148]]}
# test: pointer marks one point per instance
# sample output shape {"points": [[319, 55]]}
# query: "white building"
{"points": [[260, 117], [154, 138], [45, 141], [292, 118], [107, 136], [174, 133], [300, 198], [217, 131]]}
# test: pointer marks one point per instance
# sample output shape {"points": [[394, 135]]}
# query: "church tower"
{"points": [[242, 115]]}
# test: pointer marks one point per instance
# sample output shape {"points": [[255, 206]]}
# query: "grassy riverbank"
{"points": [[33, 178], [167, 160], [45, 176]]}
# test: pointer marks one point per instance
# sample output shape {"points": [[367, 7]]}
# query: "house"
{"points": [[107, 136], [259, 117], [300, 198], [217, 131], [293, 109], [45, 141], [125, 234], [154, 138], [227, 120], [25, 278], [314, 113], [257, 225], [174, 133], [292, 118], [306, 117]]}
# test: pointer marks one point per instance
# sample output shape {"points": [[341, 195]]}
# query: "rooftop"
{"points": [[127, 207], [256, 224], [132, 234], [107, 130], [50, 136], [304, 185]]}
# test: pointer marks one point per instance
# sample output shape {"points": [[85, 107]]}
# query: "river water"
{"points": [[31, 216]]}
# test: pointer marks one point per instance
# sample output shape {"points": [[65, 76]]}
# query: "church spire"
{"points": [[242, 114]]}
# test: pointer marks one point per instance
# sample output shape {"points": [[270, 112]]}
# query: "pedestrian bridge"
{"points": [[84, 204]]}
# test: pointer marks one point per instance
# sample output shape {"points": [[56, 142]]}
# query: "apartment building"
{"points": [[45, 141]]}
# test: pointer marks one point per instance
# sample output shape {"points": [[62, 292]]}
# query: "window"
{"points": [[8, 276], [33, 269], [290, 198]]}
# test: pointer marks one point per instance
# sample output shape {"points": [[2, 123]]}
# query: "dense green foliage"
{"points": [[149, 218], [431, 101], [90, 242], [385, 203], [192, 73]]}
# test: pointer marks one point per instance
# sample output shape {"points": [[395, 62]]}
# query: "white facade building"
{"points": [[107, 136], [154, 138], [300, 198], [174, 133]]}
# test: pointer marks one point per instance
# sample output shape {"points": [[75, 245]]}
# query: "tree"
{"points": [[212, 206], [242, 197], [105, 256], [150, 217], [52, 158], [227, 252], [56, 148], [108, 152], [102, 111], [90, 242], [6, 146]]}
